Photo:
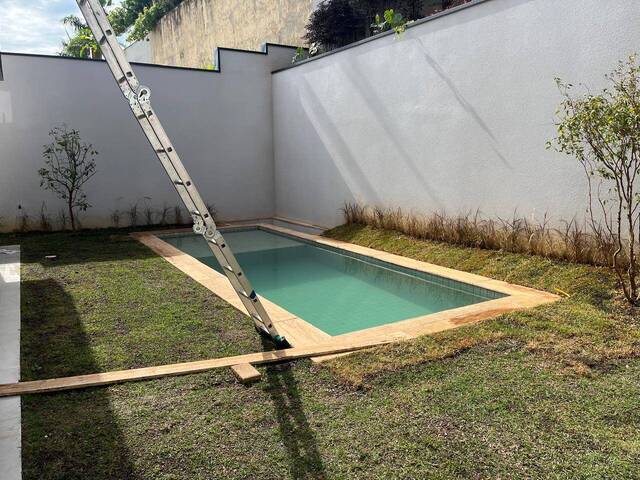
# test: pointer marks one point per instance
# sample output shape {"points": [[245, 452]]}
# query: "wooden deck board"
{"points": [[98, 379], [246, 373]]}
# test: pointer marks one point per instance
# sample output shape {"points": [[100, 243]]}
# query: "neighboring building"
{"points": [[188, 35], [139, 52]]}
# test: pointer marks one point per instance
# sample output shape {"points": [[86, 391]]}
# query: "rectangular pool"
{"points": [[335, 290]]}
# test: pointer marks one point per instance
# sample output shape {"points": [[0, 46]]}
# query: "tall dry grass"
{"points": [[572, 242]]}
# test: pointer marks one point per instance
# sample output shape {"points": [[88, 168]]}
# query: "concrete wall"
{"points": [[452, 116], [220, 124], [188, 35]]}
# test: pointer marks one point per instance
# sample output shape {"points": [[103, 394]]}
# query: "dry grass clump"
{"points": [[572, 242]]}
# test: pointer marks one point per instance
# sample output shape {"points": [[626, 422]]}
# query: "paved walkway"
{"points": [[10, 461]]}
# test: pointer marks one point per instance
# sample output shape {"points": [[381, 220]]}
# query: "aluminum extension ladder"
{"points": [[138, 97]]}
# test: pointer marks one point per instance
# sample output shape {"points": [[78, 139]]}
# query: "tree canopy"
{"points": [[137, 17], [333, 24], [336, 23]]}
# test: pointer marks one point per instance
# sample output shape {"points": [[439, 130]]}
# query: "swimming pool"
{"points": [[335, 290]]}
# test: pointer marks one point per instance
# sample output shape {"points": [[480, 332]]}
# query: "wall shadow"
{"points": [[463, 102], [297, 436], [386, 120], [352, 174], [69, 435]]}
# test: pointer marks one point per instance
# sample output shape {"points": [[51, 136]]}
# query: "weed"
{"points": [[45, 220], [133, 214], [177, 215]]}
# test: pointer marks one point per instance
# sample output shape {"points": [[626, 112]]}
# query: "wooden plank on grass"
{"points": [[246, 373], [97, 379]]}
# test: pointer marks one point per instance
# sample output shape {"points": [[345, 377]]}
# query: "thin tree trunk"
{"points": [[71, 217]]}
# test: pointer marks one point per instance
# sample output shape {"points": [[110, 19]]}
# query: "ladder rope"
{"points": [[139, 98]]}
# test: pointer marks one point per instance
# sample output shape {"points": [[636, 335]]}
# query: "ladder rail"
{"points": [[138, 97]]}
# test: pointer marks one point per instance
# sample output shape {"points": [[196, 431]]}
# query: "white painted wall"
{"points": [[220, 123], [452, 116]]}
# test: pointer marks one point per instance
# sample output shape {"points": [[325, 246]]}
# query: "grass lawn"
{"points": [[546, 393]]}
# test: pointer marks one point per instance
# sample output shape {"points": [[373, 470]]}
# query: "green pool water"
{"points": [[337, 291]]}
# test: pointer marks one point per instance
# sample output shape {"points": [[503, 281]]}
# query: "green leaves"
{"points": [[69, 164], [83, 44], [141, 16], [392, 20], [602, 131]]}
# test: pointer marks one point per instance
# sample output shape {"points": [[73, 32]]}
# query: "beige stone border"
{"points": [[300, 333]]}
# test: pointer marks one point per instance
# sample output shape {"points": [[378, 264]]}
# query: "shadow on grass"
{"points": [[297, 436], [79, 247], [68, 435], [53, 342]]}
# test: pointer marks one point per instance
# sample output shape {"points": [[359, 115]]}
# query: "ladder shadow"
{"points": [[297, 435], [66, 433]]}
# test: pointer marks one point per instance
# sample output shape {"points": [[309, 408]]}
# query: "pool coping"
{"points": [[301, 333]]}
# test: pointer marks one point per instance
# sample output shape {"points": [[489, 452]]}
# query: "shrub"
{"points": [[602, 131]]}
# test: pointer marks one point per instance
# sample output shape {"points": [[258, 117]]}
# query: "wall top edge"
{"points": [[265, 51], [373, 38]]}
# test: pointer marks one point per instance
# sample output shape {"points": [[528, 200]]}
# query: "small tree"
{"points": [[603, 132], [69, 164]]}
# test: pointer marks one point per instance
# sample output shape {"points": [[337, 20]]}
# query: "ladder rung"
{"points": [[231, 270], [250, 296]]}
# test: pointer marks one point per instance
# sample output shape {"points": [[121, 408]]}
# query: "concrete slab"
{"points": [[10, 429]]}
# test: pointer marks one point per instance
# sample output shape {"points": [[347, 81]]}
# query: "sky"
{"points": [[34, 26]]}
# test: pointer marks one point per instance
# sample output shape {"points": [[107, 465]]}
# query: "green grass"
{"points": [[107, 302], [590, 330], [547, 393]]}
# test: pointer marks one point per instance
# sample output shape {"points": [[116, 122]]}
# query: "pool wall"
{"points": [[508, 297]]}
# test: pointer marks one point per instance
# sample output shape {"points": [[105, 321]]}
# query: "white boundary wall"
{"points": [[453, 116], [220, 123]]}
